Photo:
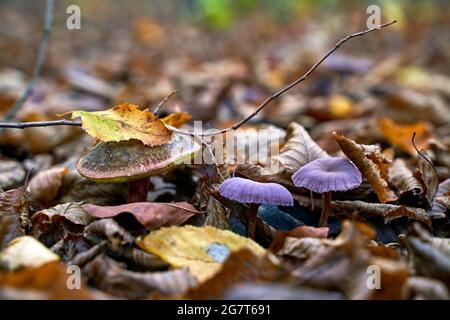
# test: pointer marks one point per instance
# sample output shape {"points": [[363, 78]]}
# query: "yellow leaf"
{"points": [[201, 250], [124, 122], [177, 119], [340, 106], [401, 134], [26, 251]]}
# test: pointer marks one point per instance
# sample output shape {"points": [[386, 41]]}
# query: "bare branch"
{"points": [[235, 126], [39, 62], [161, 104], [23, 125]]}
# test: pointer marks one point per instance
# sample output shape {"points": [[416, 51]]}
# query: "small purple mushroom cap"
{"points": [[328, 174], [248, 191]]}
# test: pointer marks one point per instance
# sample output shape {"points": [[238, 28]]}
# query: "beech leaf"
{"points": [[152, 215], [370, 170], [124, 122]]}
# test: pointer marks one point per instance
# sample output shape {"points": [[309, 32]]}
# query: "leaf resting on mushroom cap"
{"points": [[131, 160], [124, 122]]}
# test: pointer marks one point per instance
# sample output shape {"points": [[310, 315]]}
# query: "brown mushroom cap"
{"points": [[131, 160]]}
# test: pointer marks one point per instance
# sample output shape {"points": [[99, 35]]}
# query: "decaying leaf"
{"points": [[72, 212], [201, 250], [400, 134], [217, 214], [112, 277], [124, 122], [48, 281], [11, 174], [420, 288], [177, 119], [403, 179], [25, 252], [298, 232], [110, 229], [438, 209], [388, 211], [368, 168], [152, 215], [44, 187], [427, 173], [241, 265]]}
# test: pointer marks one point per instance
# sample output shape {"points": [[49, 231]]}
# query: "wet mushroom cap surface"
{"points": [[328, 174], [249, 191], [131, 160]]}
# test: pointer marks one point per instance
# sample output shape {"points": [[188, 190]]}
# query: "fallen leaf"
{"points": [[152, 215], [112, 277], [48, 281], [439, 208], [177, 119], [400, 134], [388, 211], [368, 168], [298, 232], [25, 252], [421, 288], [124, 122], [72, 212], [11, 174], [44, 187], [427, 173], [241, 265], [201, 250], [403, 179]]}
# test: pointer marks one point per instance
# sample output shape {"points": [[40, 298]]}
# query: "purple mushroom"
{"points": [[255, 193], [325, 175]]}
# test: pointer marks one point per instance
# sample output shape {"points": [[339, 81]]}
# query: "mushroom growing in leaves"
{"points": [[325, 175], [133, 162], [255, 193]]}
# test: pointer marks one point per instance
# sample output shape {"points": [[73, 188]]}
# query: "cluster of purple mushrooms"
{"points": [[322, 175]]}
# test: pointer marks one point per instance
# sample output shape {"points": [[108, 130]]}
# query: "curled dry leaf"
{"points": [[152, 215], [298, 150], [112, 277], [25, 252], [400, 134], [301, 248], [297, 232], [370, 170], [240, 266], [11, 174], [403, 179], [72, 212], [428, 174], [177, 119], [388, 211], [217, 214], [110, 229], [44, 187], [124, 122], [201, 250], [439, 207], [48, 281]]}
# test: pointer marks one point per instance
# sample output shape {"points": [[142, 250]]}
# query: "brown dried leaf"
{"points": [[403, 179], [427, 173], [111, 276], [368, 168], [388, 211], [240, 266], [44, 187], [72, 212], [298, 232], [217, 214], [152, 215], [177, 119], [11, 174], [439, 205], [110, 229], [421, 288], [46, 282]]}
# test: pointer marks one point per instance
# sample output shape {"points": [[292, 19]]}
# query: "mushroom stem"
{"points": [[252, 216], [325, 210], [138, 189]]}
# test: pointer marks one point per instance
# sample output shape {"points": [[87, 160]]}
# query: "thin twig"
{"points": [[161, 104], [238, 124], [39, 62], [23, 125], [285, 89]]}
